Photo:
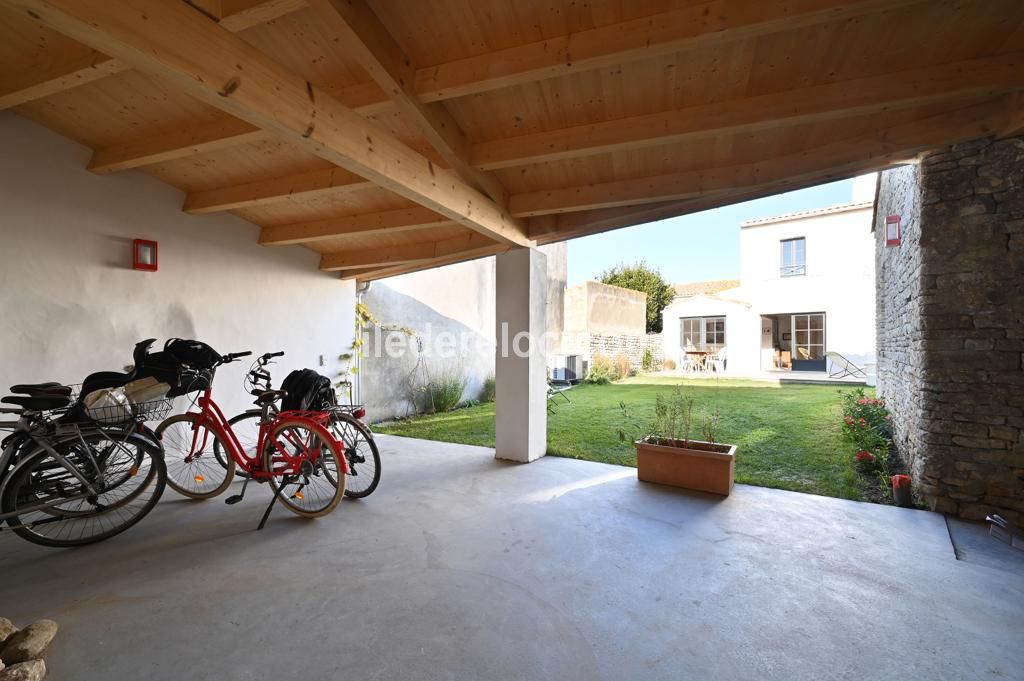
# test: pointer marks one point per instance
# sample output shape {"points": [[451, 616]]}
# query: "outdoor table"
{"points": [[700, 358]]}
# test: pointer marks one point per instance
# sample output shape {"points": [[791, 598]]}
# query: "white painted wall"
{"points": [[72, 304], [839, 282], [457, 301]]}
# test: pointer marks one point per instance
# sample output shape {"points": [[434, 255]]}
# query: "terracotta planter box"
{"points": [[700, 466]]}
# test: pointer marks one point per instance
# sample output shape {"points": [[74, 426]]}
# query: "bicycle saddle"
{"points": [[50, 388], [38, 402], [268, 396]]}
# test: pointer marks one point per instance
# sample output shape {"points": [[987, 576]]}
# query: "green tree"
{"points": [[640, 277]]}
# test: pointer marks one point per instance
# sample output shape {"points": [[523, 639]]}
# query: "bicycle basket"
{"points": [[112, 406]]}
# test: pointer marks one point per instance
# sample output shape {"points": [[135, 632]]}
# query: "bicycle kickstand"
{"points": [[286, 480], [235, 498]]}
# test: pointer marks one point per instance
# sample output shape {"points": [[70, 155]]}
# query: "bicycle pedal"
{"points": [[233, 499]]}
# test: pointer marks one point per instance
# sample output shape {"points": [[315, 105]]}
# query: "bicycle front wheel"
{"points": [[191, 452], [124, 477], [306, 468]]}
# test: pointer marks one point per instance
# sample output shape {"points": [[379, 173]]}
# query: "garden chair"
{"points": [[687, 364], [842, 367], [718, 361], [554, 392]]}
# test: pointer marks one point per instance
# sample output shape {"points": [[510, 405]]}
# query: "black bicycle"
{"points": [[346, 425], [71, 475]]}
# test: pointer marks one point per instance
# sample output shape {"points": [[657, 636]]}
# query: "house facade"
{"points": [[806, 288]]}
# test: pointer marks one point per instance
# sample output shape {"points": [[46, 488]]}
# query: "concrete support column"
{"points": [[520, 372]]}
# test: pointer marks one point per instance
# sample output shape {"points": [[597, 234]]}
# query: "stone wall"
{"points": [[898, 320], [951, 325], [632, 346]]}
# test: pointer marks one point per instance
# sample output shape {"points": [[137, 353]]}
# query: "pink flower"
{"points": [[865, 456], [862, 400]]}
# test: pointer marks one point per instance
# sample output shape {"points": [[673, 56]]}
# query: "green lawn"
{"points": [[788, 436]]}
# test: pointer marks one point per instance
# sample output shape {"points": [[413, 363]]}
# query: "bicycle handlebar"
{"points": [[271, 355], [232, 356]]}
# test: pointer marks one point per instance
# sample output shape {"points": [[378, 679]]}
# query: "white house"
{"points": [[806, 288]]}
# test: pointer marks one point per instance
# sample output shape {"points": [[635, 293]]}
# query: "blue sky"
{"points": [[693, 247]]}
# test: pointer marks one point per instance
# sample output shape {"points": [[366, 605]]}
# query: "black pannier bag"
{"points": [[307, 391], [185, 365]]}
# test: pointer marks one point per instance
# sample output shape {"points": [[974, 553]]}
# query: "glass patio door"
{"points": [[809, 342]]}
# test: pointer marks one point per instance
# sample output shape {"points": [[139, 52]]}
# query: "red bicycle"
{"points": [[295, 452]]}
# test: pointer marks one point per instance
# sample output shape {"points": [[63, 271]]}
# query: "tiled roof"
{"points": [[842, 208], [707, 287]]}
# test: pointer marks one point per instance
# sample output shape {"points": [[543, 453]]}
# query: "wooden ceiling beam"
{"points": [[710, 23], [903, 89], [181, 45], [551, 228], [367, 39], [175, 144], [366, 98], [303, 186], [374, 273], [404, 253], [82, 66], [862, 153], [75, 67], [238, 15], [368, 224]]}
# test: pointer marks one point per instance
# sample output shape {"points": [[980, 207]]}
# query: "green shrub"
{"points": [[443, 390], [488, 392], [647, 363], [602, 370], [867, 424]]}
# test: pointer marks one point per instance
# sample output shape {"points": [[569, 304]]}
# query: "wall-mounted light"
{"points": [[144, 255], [892, 230]]}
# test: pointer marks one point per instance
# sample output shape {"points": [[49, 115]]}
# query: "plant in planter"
{"points": [[665, 453]]}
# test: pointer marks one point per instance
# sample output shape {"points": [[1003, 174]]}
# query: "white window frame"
{"points": [[703, 345], [790, 266], [796, 344]]}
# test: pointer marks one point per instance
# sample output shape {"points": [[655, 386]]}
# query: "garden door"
{"points": [[809, 342]]}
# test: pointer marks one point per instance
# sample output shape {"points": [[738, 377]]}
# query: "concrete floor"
{"points": [[463, 568]]}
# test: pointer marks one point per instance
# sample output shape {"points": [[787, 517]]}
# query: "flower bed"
{"points": [[867, 425]]}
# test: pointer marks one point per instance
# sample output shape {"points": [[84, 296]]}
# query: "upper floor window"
{"points": [[794, 261]]}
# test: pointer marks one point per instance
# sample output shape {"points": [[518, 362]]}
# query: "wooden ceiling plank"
{"points": [[174, 144], [386, 222], [60, 74], [178, 43], [373, 46], [366, 98], [903, 89], [69, 72], [374, 273], [405, 253], [303, 186], [238, 15], [866, 153], [686, 28]]}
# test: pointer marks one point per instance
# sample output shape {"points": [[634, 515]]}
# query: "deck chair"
{"points": [[842, 367], [554, 392]]}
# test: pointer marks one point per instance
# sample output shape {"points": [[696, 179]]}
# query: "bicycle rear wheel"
{"points": [[306, 466], [52, 507], [361, 453], [192, 465]]}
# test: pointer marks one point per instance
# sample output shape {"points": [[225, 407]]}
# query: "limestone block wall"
{"points": [[951, 324], [632, 346]]}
